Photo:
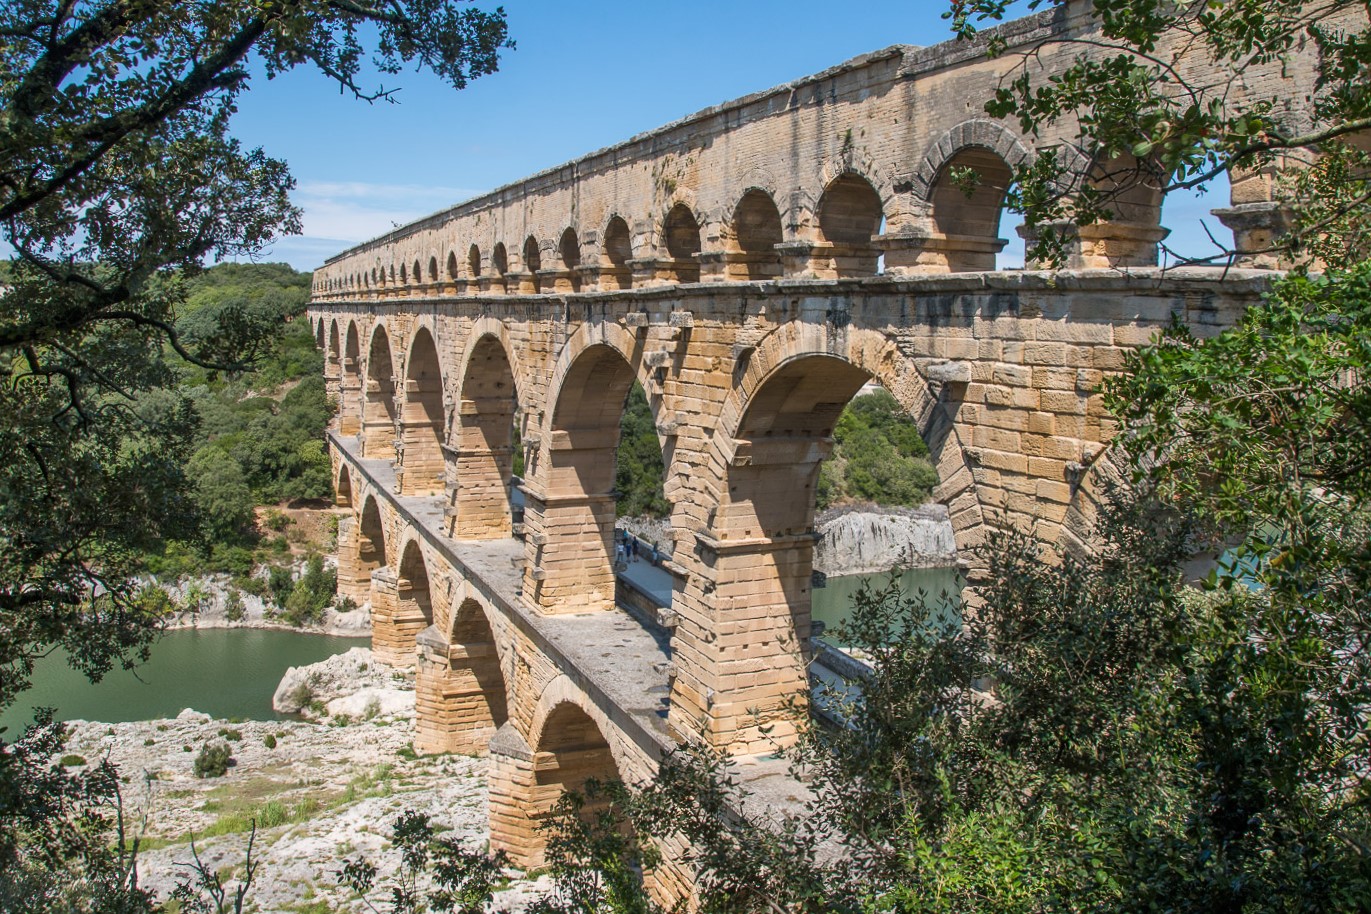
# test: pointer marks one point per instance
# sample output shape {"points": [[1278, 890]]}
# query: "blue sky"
{"points": [[584, 76]]}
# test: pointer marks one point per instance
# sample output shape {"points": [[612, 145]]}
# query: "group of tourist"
{"points": [[628, 548]]}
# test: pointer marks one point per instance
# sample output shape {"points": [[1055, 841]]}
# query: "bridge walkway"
{"points": [[617, 659]]}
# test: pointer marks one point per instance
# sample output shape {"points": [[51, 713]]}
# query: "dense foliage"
{"points": [[878, 456]]}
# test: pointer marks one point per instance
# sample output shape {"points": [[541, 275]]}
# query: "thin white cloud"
{"points": [[339, 214]]}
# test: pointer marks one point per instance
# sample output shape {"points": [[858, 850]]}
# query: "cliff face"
{"points": [[876, 540]]}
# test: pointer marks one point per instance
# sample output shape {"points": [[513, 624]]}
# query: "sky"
{"points": [[583, 76]]}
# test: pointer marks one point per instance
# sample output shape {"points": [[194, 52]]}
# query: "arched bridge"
{"points": [[752, 267]]}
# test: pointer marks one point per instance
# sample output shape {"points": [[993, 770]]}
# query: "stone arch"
{"points": [[401, 605], [461, 685], [433, 269], [569, 250], [756, 230], [871, 352], [484, 436], [333, 364], [342, 488], [350, 384], [569, 745], [967, 226], [404, 274], [533, 263], [849, 215], [319, 339], [499, 267], [378, 402], [371, 538], [1132, 190], [681, 242], [474, 262], [756, 551], [572, 570], [421, 418], [418, 274], [452, 271], [979, 133], [616, 252]]}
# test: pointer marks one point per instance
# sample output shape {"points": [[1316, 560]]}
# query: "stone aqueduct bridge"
{"points": [[728, 263]]}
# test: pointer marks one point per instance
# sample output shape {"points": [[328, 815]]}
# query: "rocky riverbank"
{"points": [[319, 792], [253, 611]]}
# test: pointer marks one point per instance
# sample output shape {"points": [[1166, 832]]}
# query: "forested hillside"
{"points": [[260, 432]]}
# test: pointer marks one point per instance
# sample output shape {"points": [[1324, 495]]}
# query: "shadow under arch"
{"points": [[849, 215], [484, 437], [378, 401], [422, 423], [462, 684], [616, 252], [342, 488], [756, 230], [568, 748], [401, 607]]}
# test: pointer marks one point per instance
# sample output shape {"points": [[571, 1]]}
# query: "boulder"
{"points": [[878, 539], [305, 688]]}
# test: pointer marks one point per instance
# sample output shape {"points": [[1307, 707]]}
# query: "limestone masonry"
{"points": [[751, 266]]}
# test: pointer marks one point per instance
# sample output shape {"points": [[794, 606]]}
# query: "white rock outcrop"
{"points": [[879, 539], [351, 684]]}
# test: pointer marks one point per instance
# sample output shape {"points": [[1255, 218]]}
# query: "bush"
{"points": [[73, 761], [312, 594], [213, 761], [269, 741], [234, 610]]}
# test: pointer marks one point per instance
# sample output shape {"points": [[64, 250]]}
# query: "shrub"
{"points": [[234, 608], [269, 741], [233, 736], [213, 761], [73, 761], [276, 519]]}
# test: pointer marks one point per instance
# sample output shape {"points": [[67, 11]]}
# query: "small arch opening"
{"points": [[533, 262], [681, 232], [756, 232], [850, 215], [615, 272]]}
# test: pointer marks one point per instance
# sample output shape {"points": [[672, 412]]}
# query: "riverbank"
{"points": [[321, 793], [214, 608]]}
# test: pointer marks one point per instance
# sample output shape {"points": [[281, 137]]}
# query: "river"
{"points": [[832, 603], [223, 672]]}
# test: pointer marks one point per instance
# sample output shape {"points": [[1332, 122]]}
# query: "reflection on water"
{"points": [[223, 672], [832, 604]]}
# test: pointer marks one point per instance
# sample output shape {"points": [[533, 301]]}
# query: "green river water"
{"points": [[832, 603], [223, 672]]}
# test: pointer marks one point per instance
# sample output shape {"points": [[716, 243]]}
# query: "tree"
{"points": [[1139, 103], [118, 177]]}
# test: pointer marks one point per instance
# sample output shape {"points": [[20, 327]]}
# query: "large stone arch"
{"points": [[378, 401], [361, 543], [461, 687], [743, 631], [570, 518], [570, 741], [402, 603], [483, 436], [422, 422], [350, 383], [907, 379]]}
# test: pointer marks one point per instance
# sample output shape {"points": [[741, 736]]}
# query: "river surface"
{"points": [[832, 603], [223, 672]]}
